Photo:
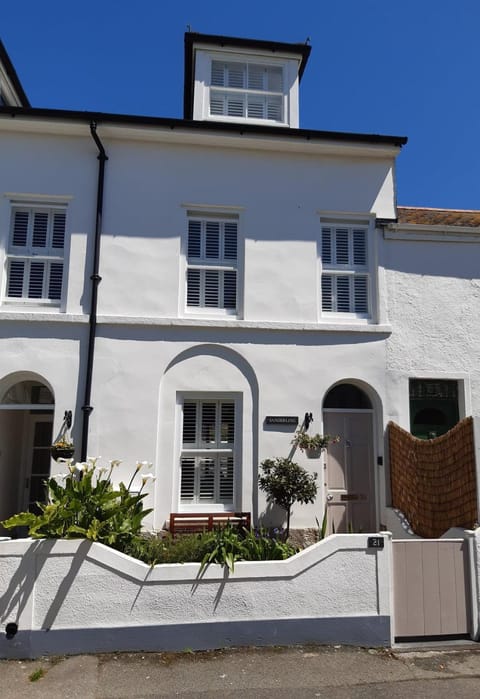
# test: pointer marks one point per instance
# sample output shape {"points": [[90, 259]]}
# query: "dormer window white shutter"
{"points": [[246, 90]]}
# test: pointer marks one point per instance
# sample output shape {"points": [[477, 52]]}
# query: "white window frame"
{"points": [[215, 451], [204, 263], [349, 270], [288, 95], [29, 253]]}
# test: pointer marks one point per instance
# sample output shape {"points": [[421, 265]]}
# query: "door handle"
{"points": [[329, 498]]}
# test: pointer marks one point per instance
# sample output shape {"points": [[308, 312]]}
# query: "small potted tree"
{"points": [[286, 483], [314, 444]]}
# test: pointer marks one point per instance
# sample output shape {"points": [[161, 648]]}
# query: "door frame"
{"points": [[27, 455], [374, 466]]}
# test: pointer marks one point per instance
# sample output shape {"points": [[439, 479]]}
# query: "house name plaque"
{"points": [[281, 420]]}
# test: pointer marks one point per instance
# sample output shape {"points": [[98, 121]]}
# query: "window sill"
{"points": [[35, 313], [229, 322]]}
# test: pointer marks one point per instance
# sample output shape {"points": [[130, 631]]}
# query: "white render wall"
{"points": [[280, 358], [433, 288], [78, 596]]}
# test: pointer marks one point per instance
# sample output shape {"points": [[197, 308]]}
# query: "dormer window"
{"points": [[250, 90], [243, 81]]}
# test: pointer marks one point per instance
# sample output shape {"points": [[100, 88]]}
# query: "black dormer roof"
{"points": [[192, 38], [12, 76]]}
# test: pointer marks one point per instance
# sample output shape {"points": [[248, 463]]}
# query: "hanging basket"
{"points": [[62, 452], [313, 453]]}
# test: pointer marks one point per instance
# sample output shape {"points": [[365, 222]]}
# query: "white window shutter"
{"points": [[230, 289]]}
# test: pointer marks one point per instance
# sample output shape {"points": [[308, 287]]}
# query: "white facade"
{"points": [[409, 308]]}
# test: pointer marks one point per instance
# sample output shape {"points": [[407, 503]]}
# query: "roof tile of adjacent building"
{"points": [[438, 217]]}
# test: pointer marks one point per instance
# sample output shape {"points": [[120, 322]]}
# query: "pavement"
{"points": [[329, 672]]}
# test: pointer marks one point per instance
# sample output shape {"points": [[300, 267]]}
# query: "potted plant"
{"points": [[62, 448], [314, 444]]}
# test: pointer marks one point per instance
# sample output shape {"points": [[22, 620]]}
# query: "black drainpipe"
{"points": [[96, 278]]}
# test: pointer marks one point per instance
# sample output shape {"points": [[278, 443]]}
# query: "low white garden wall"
{"points": [[78, 596]]}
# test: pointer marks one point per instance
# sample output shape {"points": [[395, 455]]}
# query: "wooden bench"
{"points": [[193, 522]]}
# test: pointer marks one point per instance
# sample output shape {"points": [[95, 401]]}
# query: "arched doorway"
{"points": [[349, 474], [26, 423]]}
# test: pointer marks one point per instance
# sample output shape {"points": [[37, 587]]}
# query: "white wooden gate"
{"points": [[431, 588]]}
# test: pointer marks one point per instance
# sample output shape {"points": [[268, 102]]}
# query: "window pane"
{"points": [[227, 423], [35, 283], [58, 235], [326, 245], [343, 294], [230, 241], [230, 290], [55, 282], [218, 74], [327, 300], [341, 247], [15, 278], [359, 247], [274, 108], [187, 480], [40, 229], [236, 75], [275, 79], [361, 294], [235, 107], [209, 423], [256, 107], [211, 288], [206, 469], [212, 240], [226, 479], [189, 423], [194, 238], [217, 104], [20, 228], [193, 287]]}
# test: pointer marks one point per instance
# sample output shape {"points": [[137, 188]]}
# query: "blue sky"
{"points": [[402, 67]]}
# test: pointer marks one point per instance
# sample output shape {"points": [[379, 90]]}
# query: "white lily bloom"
{"points": [[114, 462], [61, 476], [147, 477], [82, 466]]}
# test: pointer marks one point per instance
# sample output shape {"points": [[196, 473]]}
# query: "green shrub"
{"points": [[187, 548], [88, 506]]}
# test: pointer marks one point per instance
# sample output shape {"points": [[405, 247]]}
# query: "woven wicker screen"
{"points": [[433, 480]]}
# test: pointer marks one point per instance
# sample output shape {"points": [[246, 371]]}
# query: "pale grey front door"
{"points": [[349, 472]]}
